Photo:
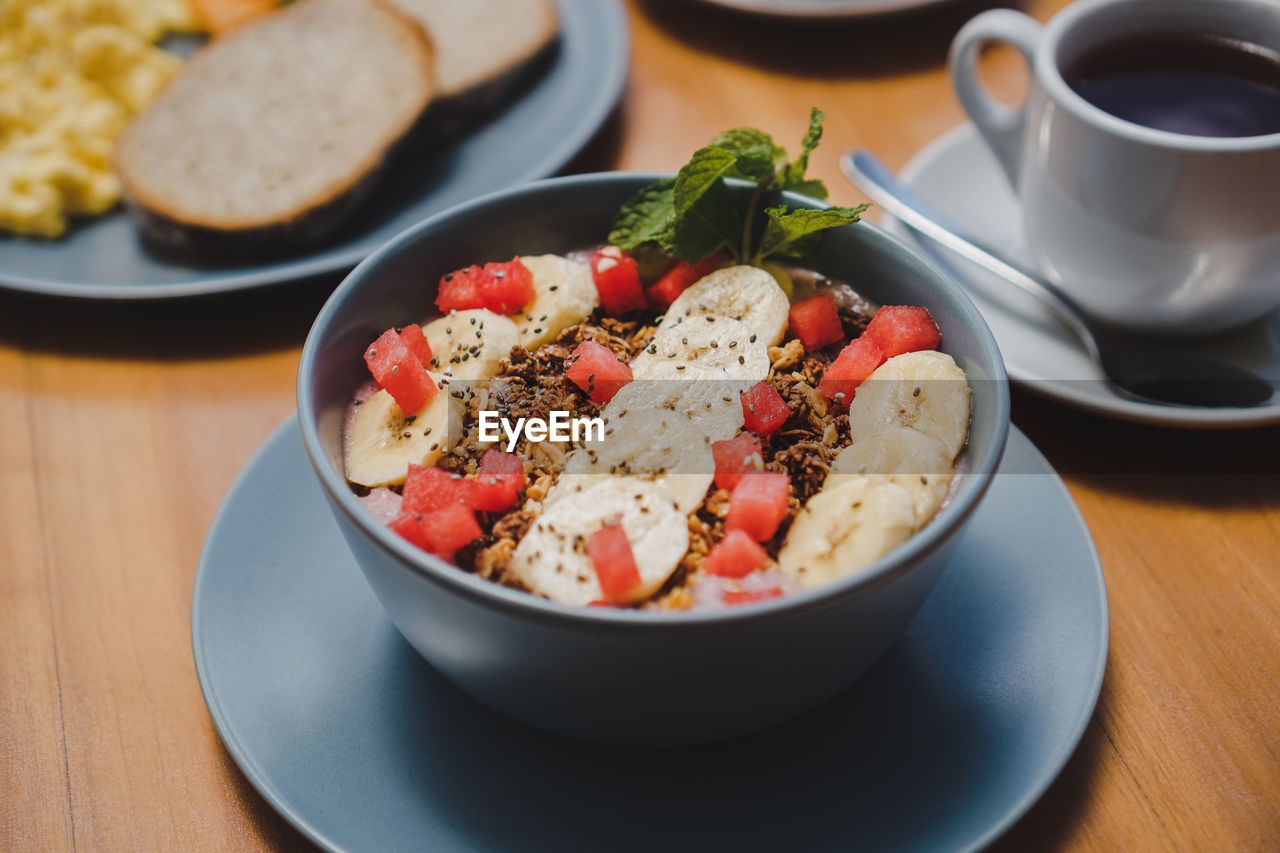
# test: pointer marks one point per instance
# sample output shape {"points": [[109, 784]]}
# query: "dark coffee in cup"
{"points": [[1182, 83]]}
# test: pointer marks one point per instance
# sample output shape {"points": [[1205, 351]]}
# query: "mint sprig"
{"points": [[693, 215]]}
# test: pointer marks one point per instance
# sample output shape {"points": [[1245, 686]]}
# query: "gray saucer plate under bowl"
{"points": [[533, 137], [361, 745], [957, 175]]}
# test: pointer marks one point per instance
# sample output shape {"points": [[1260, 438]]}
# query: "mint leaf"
{"points": [[814, 135], [791, 176], [711, 224], [703, 171], [646, 216], [694, 216], [786, 229], [757, 156], [707, 223]]}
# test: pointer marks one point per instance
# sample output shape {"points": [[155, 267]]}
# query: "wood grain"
{"points": [[124, 425]]}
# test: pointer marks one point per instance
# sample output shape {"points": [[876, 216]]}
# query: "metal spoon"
{"points": [[1144, 370]]}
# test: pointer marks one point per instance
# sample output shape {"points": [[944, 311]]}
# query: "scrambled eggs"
{"points": [[72, 73]]}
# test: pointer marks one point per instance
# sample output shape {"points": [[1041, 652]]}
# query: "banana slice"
{"points": [[926, 391], [552, 558], [668, 448], [704, 395], [708, 340], [844, 528], [906, 458], [471, 344], [564, 294], [744, 293], [381, 442], [685, 396]]}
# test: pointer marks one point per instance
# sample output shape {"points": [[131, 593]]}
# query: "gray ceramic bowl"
{"points": [[617, 675]]}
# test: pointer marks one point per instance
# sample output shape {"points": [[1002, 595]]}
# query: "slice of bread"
{"points": [[486, 49], [269, 136]]}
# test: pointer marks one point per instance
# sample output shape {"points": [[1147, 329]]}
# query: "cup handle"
{"points": [[1000, 125]]}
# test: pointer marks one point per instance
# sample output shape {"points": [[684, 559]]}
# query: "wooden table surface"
{"points": [[122, 426]]}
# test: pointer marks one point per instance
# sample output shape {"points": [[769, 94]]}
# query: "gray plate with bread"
{"points": [[295, 146]]}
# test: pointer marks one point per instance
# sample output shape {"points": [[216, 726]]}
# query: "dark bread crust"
{"points": [[453, 114], [173, 234], [169, 237]]}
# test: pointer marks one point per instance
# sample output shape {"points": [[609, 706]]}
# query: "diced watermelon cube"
{"points": [[596, 370], [901, 329], [460, 290], [416, 341], [400, 373], [736, 555], [500, 287], [758, 504], [763, 409], [678, 277], [428, 489], [615, 565], [735, 457], [816, 321], [708, 265], [499, 482], [746, 596], [665, 290], [507, 287], [617, 279], [855, 363], [441, 532]]}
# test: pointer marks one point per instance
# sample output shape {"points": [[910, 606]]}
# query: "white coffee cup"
{"points": [[1152, 230]]}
